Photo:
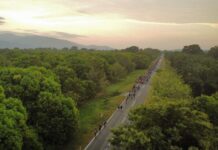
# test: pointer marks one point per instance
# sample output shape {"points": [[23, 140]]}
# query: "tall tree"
{"points": [[214, 52], [192, 49]]}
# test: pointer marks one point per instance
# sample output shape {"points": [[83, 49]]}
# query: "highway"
{"points": [[100, 141]]}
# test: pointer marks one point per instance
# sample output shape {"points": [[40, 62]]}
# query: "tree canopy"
{"points": [[192, 49], [49, 85], [198, 71], [164, 125], [29, 86], [13, 125], [214, 52]]}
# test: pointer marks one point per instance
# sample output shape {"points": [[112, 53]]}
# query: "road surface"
{"points": [[100, 141]]}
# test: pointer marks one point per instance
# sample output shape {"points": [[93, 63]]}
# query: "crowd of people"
{"points": [[138, 84], [132, 93]]}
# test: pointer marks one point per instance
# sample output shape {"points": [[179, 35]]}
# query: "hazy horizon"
{"points": [[168, 24]]}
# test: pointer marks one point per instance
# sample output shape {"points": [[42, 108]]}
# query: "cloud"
{"points": [[117, 22], [67, 35], [212, 25], [173, 11], [50, 33], [2, 20]]}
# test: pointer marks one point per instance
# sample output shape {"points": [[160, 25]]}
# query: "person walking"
{"points": [[105, 122], [99, 128], [95, 132]]}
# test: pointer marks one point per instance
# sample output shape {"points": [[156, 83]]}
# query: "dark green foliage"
{"points": [[2, 95], [56, 118], [78, 71], [74, 48], [47, 82], [141, 62], [116, 71], [15, 134], [214, 52], [31, 140], [129, 138], [199, 71], [132, 49], [192, 49], [209, 105], [164, 126], [31, 85]]}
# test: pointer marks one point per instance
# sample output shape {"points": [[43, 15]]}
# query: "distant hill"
{"points": [[10, 40]]}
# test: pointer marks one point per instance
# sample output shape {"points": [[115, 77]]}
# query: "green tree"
{"points": [[56, 118], [214, 52], [168, 85], [165, 125], [29, 85], [192, 49], [141, 61], [31, 140], [74, 48], [13, 125], [116, 72], [209, 105], [132, 49], [198, 71]]}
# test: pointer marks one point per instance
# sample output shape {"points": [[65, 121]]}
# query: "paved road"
{"points": [[100, 142]]}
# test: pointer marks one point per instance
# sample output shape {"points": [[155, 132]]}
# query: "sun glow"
{"points": [[113, 23]]}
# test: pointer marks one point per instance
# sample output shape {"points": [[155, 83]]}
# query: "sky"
{"points": [[163, 24]]}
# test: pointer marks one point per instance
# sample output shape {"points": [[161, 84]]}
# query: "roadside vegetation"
{"points": [[99, 109], [172, 119], [47, 96]]}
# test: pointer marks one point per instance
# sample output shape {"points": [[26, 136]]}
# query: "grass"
{"points": [[150, 90], [166, 76], [98, 110]]}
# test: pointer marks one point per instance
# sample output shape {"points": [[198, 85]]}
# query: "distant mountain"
{"points": [[10, 40]]}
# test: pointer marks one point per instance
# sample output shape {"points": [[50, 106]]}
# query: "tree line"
{"points": [[41, 91], [82, 74], [198, 69]]}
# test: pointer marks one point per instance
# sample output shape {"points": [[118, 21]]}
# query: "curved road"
{"points": [[100, 141]]}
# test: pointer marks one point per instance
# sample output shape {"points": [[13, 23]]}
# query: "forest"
{"points": [[182, 108], [42, 91], [198, 69], [50, 98]]}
